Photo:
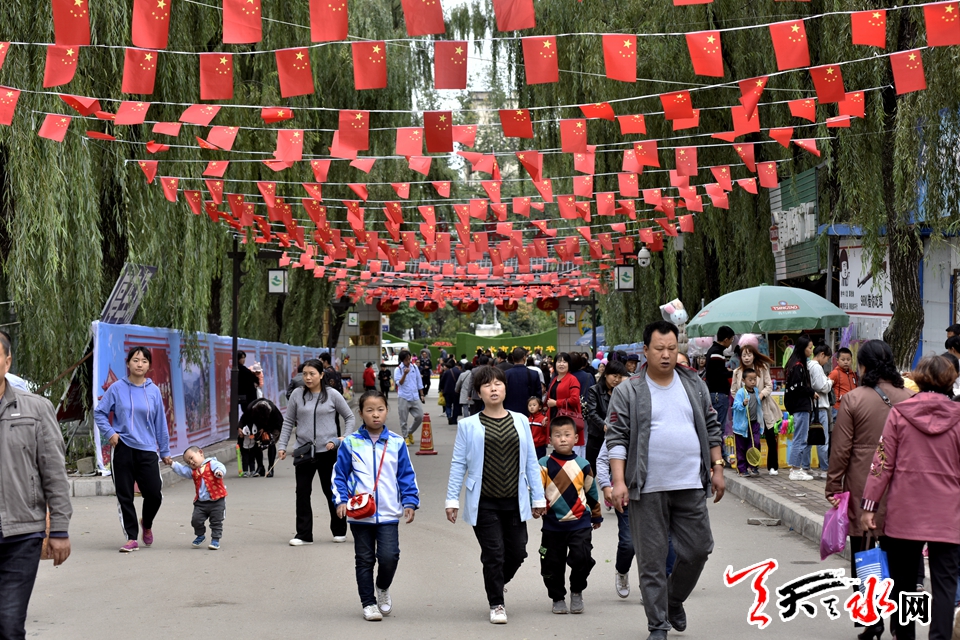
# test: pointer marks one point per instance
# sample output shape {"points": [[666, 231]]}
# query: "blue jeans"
{"points": [[721, 404], [19, 562], [800, 450], [625, 550], [375, 544]]}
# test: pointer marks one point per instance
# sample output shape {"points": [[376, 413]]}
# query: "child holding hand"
{"points": [[374, 461], [538, 425], [746, 422], [210, 501]]}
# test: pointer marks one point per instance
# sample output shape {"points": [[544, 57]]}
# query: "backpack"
{"points": [[333, 379]]}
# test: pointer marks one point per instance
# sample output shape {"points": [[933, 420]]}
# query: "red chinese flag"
{"points": [[583, 186], [366, 164], [271, 115], [632, 124], [465, 134], [328, 20], [4, 47], [532, 161], [423, 17], [242, 22], [139, 71], [748, 184], [514, 15], [545, 188], [194, 201], [573, 136], [687, 123], [809, 145], [750, 92], [442, 188], [409, 141], [540, 59], [71, 22], [782, 135], [767, 171], [646, 153], [943, 28], [686, 223], [620, 57], [438, 131], [686, 161], [216, 76], [601, 110], [289, 145], [838, 122], [61, 65], [745, 151], [293, 68], [630, 164], [216, 169], [722, 176], [8, 103], [54, 127], [627, 183], [369, 65], [516, 123], [828, 82], [790, 45], [170, 188], [870, 28], [705, 53], [806, 109], [852, 105], [151, 23], [908, 71], [149, 168], [354, 129], [199, 114], [420, 164], [677, 105], [450, 61], [743, 125], [585, 162], [129, 113], [402, 189]]}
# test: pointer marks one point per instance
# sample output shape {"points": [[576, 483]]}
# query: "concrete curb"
{"points": [[224, 451], [797, 517]]}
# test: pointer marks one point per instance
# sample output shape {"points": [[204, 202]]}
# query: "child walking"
{"points": [[384, 377], [538, 425], [374, 461], [247, 441], [573, 511], [210, 501], [746, 423]]}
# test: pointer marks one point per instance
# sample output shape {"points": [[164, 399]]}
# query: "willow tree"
{"points": [[872, 171], [73, 213]]}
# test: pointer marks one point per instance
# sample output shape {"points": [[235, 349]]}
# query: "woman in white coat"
{"points": [[495, 458]]}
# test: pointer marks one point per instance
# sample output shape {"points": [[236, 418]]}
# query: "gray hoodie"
{"points": [[305, 413]]}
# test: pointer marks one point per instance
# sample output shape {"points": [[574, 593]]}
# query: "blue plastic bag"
{"points": [[836, 524], [871, 562]]}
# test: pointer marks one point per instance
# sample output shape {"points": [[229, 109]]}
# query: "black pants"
{"points": [[904, 556], [594, 443], [558, 549], [503, 548], [271, 458], [19, 562], [773, 448], [385, 390], [249, 457], [322, 465], [214, 511], [129, 466]]}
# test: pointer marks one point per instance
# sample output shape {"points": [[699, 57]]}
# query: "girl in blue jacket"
{"points": [[374, 461], [131, 417]]}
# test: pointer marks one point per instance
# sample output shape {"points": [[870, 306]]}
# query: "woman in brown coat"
{"points": [[863, 413]]}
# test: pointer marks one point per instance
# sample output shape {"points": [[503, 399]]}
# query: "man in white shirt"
{"points": [[821, 385]]}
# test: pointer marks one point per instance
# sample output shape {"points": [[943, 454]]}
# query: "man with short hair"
{"points": [[503, 363], [31, 486], [953, 330], [718, 376], [521, 383], [663, 438], [410, 395], [632, 362]]}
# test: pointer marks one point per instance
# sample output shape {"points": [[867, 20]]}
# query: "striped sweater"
{"points": [[572, 499]]}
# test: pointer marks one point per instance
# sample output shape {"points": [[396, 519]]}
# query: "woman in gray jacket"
{"points": [[312, 410]]}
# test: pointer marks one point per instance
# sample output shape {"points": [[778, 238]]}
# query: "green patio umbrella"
{"points": [[767, 309]]}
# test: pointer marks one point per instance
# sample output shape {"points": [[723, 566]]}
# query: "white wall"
{"points": [[939, 261]]}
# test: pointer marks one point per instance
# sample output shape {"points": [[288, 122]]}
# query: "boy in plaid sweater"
{"points": [[573, 511]]}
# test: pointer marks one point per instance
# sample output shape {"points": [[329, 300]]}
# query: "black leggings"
{"points": [[129, 466], [773, 448]]}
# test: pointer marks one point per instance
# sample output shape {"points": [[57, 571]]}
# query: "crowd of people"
{"points": [[648, 439]]}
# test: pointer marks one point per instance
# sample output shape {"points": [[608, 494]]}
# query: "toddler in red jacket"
{"points": [[210, 501], [538, 425]]}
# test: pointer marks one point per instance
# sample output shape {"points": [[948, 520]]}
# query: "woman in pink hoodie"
{"points": [[917, 464]]}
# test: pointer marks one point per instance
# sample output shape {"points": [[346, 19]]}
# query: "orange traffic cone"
{"points": [[426, 438]]}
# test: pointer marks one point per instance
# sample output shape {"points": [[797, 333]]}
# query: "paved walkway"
{"points": [[257, 586]]}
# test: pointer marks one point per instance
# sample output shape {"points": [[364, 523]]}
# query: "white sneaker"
{"points": [[371, 613], [498, 615], [339, 538], [297, 542], [799, 474], [384, 603], [823, 474], [622, 584], [773, 472]]}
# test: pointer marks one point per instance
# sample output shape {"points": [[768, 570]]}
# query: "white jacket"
{"points": [[820, 383]]}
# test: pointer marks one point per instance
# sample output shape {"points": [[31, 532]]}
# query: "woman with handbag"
{"points": [[857, 431], [495, 458], [798, 400], [312, 410], [374, 485], [915, 468], [595, 410], [563, 398], [752, 358]]}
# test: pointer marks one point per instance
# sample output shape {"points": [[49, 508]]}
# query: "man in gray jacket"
{"points": [[664, 442], [33, 481]]}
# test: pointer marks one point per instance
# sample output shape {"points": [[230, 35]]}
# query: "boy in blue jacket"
{"points": [[373, 464], [746, 422]]}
